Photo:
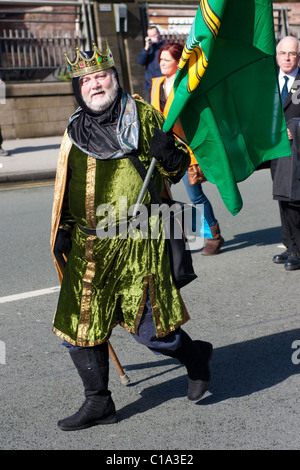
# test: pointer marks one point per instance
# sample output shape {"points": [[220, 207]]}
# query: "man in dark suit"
{"points": [[283, 169]]}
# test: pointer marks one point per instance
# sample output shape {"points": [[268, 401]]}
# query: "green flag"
{"points": [[226, 93]]}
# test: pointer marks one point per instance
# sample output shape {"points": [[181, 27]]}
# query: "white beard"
{"points": [[99, 103]]}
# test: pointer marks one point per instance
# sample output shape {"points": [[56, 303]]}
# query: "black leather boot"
{"points": [[98, 408], [293, 261], [195, 355], [281, 258]]}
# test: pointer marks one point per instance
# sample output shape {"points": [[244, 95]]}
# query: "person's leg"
{"points": [[3, 153], [197, 196], [194, 355], [286, 236], [293, 220], [93, 368], [292, 216], [284, 229], [147, 334]]}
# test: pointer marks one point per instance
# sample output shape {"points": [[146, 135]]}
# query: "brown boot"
{"points": [[213, 245]]}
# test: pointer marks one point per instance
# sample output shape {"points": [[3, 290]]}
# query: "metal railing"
{"points": [[29, 51], [173, 36], [281, 22], [21, 49], [171, 20]]}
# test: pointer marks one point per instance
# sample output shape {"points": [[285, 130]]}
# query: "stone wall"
{"points": [[294, 13], [125, 46], [43, 109], [293, 16], [36, 109]]}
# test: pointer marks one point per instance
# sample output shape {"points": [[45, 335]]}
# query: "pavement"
{"points": [[29, 159], [242, 302]]}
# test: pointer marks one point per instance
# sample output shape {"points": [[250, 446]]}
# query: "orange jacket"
{"points": [[155, 101]]}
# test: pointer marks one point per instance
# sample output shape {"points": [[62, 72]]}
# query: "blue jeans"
{"points": [[197, 196]]}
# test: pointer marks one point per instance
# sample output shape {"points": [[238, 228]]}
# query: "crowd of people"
{"points": [[285, 172]]}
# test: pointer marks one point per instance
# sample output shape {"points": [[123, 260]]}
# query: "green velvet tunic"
{"points": [[106, 280]]}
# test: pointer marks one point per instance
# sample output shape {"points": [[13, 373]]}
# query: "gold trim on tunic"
{"points": [[87, 290]]}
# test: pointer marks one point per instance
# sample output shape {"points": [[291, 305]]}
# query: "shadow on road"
{"points": [[19, 150], [237, 370], [263, 237]]}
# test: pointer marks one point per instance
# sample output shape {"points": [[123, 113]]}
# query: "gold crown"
{"points": [[83, 65]]}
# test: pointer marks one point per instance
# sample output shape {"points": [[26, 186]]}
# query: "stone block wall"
{"points": [[36, 109], [43, 108], [294, 12]]}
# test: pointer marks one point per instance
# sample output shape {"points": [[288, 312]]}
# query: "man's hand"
{"points": [[290, 134], [62, 246], [148, 43], [163, 149]]}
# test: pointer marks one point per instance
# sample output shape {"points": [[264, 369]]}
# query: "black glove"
{"points": [[63, 245], [163, 149]]}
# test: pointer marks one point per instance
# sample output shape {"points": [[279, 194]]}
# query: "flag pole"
{"points": [[144, 187]]}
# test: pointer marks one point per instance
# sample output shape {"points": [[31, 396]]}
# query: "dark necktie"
{"points": [[284, 91]]}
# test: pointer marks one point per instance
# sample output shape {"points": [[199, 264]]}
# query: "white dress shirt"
{"points": [[290, 82]]}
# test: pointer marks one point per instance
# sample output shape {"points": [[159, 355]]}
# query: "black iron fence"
{"points": [[35, 35], [22, 49], [33, 40], [174, 21]]}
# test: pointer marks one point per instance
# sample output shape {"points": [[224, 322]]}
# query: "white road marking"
{"points": [[27, 295]]}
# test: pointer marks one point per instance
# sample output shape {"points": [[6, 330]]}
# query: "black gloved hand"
{"points": [[163, 149], [63, 245]]}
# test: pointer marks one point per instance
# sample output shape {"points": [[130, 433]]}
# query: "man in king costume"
{"points": [[123, 280]]}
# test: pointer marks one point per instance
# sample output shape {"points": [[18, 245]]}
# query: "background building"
{"points": [[34, 35]]}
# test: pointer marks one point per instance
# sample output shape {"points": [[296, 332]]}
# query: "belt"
{"points": [[88, 231], [93, 232]]}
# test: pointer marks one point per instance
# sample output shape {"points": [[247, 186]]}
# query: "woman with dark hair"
{"points": [[162, 95]]}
